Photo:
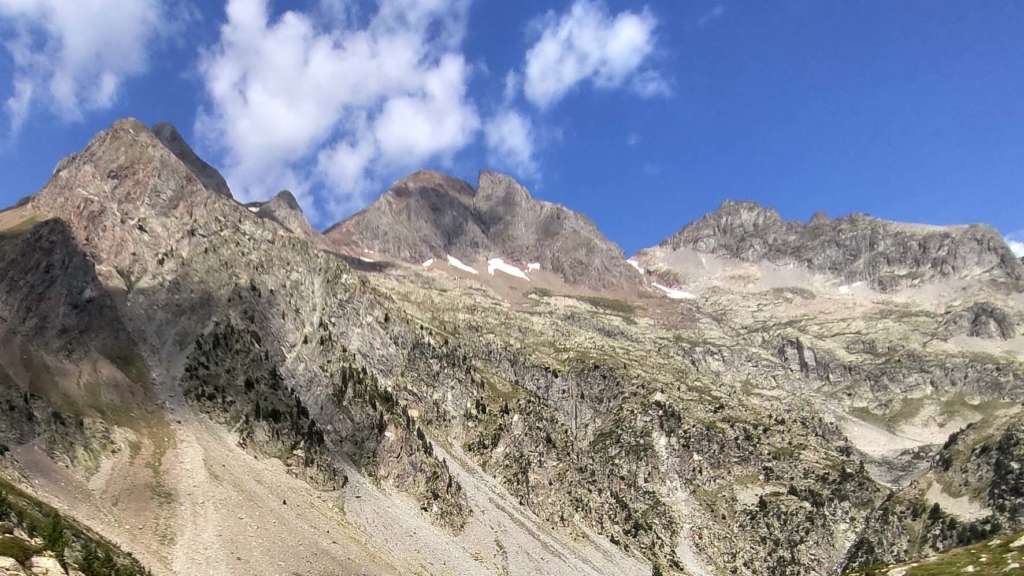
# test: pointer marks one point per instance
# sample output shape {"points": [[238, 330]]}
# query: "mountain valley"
{"points": [[465, 379]]}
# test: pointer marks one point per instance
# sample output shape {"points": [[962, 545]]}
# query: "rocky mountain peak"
{"points": [[208, 175], [495, 186], [127, 196], [287, 199], [284, 209], [431, 215], [857, 247], [126, 165], [428, 180], [745, 213]]}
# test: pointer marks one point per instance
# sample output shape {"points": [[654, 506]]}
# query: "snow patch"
{"points": [[455, 262], [367, 260], [533, 266], [499, 264], [253, 209], [674, 293], [633, 262], [428, 263]]}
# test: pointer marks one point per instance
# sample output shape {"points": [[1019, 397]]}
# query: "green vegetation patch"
{"points": [[985, 559], [72, 543]]}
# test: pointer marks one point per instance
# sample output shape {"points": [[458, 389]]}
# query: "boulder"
{"points": [[10, 567]]}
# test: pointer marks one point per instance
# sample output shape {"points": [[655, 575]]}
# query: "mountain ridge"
{"points": [[857, 247], [276, 409], [429, 215]]}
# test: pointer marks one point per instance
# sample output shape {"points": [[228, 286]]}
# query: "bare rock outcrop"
{"points": [[982, 320]]}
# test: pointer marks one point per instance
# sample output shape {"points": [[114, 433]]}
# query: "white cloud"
{"points": [[339, 108], [1015, 240], [589, 44], [73, 56], [716, 12], [512, 85], [436, 121], [650, 84], [509, 136]]}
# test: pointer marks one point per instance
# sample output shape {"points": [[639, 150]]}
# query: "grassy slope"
{"points": [[993, 557]]}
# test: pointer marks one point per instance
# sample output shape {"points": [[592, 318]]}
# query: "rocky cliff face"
{"points": [[973, 491], [285, 210], [250, 403], [208, 175], [429, 215], [887, 255]]}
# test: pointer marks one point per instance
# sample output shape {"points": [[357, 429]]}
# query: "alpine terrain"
{"points": [[462, 379]]}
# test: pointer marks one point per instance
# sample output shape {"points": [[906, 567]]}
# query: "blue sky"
{"points": [[641, 115]]}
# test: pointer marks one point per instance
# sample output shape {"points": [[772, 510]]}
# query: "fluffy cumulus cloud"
{"points": [[73, 56], [584, 45], [509, 136], [588, 44], [312, 103]]}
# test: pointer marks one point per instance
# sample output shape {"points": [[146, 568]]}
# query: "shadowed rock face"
{"points": [[888, 255], [50, 295], [428, 215], [208, 175]]}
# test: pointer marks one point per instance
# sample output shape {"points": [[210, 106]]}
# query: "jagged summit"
{"points": [[857, 247], [286, 198], [284, 209], [132, 203], [208, 175], [431, 215]]}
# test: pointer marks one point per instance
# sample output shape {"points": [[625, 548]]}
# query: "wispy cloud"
{"points": [[716, 12]]}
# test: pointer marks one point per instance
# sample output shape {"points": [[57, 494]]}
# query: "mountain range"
{"points": [[463, 379]]}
